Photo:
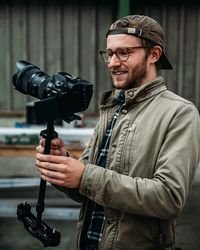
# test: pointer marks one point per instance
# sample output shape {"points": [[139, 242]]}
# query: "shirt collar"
{"points": [[151, 88]]}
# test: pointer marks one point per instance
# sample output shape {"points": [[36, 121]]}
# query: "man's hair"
{"points": [[148, 46]]}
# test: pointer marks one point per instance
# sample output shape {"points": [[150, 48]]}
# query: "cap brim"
{"points": [[164, 62]]}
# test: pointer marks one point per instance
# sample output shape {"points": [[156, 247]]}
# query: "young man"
{"points": [[134, 177]]}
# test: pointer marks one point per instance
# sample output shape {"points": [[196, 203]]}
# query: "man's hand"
{"points": [[60, 170], [57, 147]]}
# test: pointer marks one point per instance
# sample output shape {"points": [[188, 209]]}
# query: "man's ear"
{"points": [[155, 54]]}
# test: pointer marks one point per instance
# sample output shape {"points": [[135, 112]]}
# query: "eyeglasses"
{"points": [[122, 54]]}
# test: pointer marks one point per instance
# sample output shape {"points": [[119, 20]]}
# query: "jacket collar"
{"points": [[134, 95]]}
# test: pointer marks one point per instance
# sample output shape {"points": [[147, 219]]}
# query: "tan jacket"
{"points": [[154, 152]]}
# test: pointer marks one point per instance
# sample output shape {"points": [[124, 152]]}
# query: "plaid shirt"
{"points": [[95, 213]]}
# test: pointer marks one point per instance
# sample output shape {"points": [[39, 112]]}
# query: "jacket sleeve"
{"points": [[163, 195], [74, 194]]}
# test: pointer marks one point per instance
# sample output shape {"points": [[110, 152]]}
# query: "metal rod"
{"points": [[48, 135]]}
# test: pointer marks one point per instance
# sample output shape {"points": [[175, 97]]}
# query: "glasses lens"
{"points": [[106, 55], [122, 54]]}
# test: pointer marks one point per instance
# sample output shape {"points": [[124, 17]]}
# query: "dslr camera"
{"points": [[61, 94]]}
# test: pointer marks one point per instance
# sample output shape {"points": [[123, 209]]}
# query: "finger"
{"points": [[39, 149], [46, 166], [52, 174], [55, 167], [54, 143], [57, 178], [55, 152], [52, 181], [42, 142], [51, 158], [57, 142]]}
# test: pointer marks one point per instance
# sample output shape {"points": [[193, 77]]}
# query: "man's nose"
{"points": [[114, 60]]}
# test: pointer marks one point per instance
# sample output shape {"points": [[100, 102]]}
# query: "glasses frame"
{"points": [[128, 51]]}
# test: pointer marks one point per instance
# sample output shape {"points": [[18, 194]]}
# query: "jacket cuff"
{"points": [[89, 180]]}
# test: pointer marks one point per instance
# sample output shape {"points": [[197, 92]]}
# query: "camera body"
{"points": [[61, 94]]}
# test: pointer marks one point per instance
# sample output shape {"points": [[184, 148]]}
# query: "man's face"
{"points": [[133, 72]]}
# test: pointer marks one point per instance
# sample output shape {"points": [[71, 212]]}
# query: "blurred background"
{"points": [[66, 35]]}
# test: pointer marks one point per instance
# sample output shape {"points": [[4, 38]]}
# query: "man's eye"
{"points": [[122, 52]]}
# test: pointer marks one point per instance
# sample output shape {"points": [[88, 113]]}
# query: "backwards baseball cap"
{"points": [[142, 27]]}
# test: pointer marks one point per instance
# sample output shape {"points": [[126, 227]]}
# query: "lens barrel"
{"points": [[29, 79]]}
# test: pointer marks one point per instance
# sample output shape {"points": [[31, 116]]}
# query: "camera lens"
{"points": [[30, 80]]}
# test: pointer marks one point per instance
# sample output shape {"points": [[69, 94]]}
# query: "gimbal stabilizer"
{"points": [[34, 225], [61, 96]]}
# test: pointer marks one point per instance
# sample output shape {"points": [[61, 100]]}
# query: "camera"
{"points": [[61, 94]]}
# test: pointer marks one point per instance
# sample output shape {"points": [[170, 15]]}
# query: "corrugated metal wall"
{"points": [[181, 22], [67, 35], [55, 36]]}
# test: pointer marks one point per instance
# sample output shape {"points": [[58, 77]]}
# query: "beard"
{"points": [[138, 75], [135, 78]]}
